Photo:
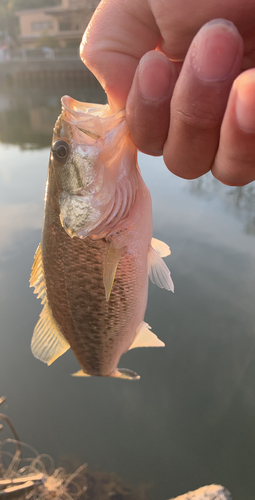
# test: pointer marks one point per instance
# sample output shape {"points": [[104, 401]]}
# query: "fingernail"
{"points": [[245, 101], [154, 77], [214, 51]]}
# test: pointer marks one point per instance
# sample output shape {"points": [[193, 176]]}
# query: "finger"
{"points": [[122, 31], [200, 98], [180, 20], [119, 34], [148, 103], [235, 161]]}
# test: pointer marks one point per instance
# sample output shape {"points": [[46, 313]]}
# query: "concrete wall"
{"points": [[44, 73]]}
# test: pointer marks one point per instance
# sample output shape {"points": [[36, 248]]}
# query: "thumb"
{"points": [[118, 35]]}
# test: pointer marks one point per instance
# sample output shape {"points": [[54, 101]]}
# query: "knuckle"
{"points": [[238, 154], [233, 169], [198, 118], [148, 126], [88, 52], [147, 142], [229, 179]]}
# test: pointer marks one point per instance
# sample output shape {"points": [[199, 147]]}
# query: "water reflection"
{"points": [[190, 420], [238, 199], [27, 117], [24, 474], [21, 196]]}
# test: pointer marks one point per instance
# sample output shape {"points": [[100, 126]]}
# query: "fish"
{"points": [[96, 253]]}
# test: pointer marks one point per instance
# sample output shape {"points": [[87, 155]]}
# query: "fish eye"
{"points": [[60, 150]]}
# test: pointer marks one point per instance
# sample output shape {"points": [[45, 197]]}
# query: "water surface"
{"points": [[190, 420]]}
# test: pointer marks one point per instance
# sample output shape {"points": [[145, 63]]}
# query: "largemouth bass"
{"points": [[91, 268]]}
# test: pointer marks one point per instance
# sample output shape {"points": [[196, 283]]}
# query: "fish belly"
{"points": [[97, 331]]}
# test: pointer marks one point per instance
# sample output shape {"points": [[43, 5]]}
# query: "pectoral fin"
{"points": [[161, 248], [48, 343], [146, 338], [110, 267], [158, 271]]}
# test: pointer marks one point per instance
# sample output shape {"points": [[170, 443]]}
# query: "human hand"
{"points": [[191, 111]]}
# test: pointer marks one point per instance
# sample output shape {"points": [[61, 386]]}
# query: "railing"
{"points": [[40, 54]]}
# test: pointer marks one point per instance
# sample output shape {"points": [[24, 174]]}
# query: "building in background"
{"points": [[57, 26]]}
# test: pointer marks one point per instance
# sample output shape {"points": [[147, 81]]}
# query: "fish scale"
{"points": [[85, 297], [103, 320]]}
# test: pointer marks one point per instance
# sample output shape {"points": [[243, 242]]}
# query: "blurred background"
{"points": [[190, 420]]}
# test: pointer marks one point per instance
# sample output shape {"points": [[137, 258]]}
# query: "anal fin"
{"points": [[146, 338], [110, 267]]}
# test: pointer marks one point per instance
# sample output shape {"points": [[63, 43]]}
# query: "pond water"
{"points": [[190, 420]]}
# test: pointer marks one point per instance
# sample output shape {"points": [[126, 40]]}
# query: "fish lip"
{"points": [[78, 109]]}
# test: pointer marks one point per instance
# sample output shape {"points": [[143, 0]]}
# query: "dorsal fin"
{"points": [[37, 275], [48, 343]]}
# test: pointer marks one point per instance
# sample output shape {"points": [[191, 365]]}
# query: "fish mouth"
{"points": [[93, 121], [77, 108]]}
